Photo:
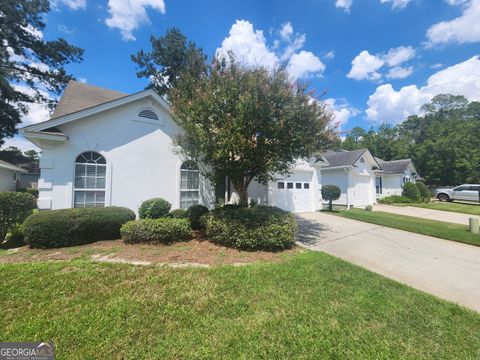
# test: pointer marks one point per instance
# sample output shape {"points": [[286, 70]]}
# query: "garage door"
{"points": [[294, 196], [362, 191]]}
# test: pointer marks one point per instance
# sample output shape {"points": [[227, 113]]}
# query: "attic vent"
{"points": [[147, 113]]}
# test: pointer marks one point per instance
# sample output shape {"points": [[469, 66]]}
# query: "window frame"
{"points": [[88, 163], [379, 185], [195, 170]]}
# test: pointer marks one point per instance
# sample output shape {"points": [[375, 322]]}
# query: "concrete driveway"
{"points": [[440, 215], [443, 268]]}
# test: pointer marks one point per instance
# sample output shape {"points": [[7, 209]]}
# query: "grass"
{"points": [[440, 229], [464, 208], [311, 306]]}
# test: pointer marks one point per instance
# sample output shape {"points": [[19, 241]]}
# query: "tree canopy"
{"points": [[444, 143], [247, 123], [30, 68]]}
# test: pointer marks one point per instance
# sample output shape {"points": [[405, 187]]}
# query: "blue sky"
{"points": [[377, 60]]}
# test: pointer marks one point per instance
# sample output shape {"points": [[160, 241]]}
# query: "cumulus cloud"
{"points": [[396, 4], [72, 4], [366, 66], [20, 142], [341, 110], [330, 55], [251, 49], [344, 4], [463, 29], [128, 15], [391, 106]]}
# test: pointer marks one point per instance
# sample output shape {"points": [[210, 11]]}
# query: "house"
{"points": [[9, 175], [393, 175], [103, 147]]}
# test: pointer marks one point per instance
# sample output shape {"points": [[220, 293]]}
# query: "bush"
{"points": [[423, 190], [31, 191], [70, 227], [410, 190], [368, 208], [194, 213], [395, 199], [15, 207], [163, 231], [330, 193], [154, 208], [177, 214], [14, 238], [257, 228]]}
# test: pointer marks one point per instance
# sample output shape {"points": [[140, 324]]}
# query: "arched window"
{"points": [[90, 175], [189, 184], [148, 113]]}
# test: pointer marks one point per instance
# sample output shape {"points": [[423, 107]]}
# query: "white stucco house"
{"points": [[103, 147], [9, 175], [393, 175]]}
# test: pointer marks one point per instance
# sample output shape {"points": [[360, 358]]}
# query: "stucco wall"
{"points": [[141, 163], [338, 177]]}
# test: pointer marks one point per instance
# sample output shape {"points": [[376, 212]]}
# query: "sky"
{"points": [[372, 61]]}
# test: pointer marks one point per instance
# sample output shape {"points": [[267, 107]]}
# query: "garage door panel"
{"points": [[294, 196], [362, 191]]}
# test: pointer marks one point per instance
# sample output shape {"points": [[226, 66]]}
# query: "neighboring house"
{"points": [[9, 175], [102, 148], [393, 175]]}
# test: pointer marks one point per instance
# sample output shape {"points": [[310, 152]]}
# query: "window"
{"points": [[362, 160], [148, 114], [306, 185], [290, 185], [461, 188], [281, 185], [90, 180], [406, 179], [189, 184], [298, 185], [378, 185]]}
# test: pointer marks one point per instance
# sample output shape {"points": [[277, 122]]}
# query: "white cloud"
{"points": [[342, 111], [365, 66], [456, 2], [399, 72], [20, 142], [396, 4], [391, 106], [344, 4], [37, 112], [464, 29], [128, 15], [330, 55], [72, 4], [250, 48], [436, 66], [82, 80], [399, 55]]}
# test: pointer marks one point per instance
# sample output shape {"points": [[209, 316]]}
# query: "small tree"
{"points": [[247, 123], [423, 190], [330, 193], [411, 191]]}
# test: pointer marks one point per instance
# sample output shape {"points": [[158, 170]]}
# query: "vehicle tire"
{"points": [[443, 197]]}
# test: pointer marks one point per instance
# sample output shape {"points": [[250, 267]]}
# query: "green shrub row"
{"points": [[164, 231], [15, 207], [194, 213], [256, 228], [395, 199], [69, 227]]}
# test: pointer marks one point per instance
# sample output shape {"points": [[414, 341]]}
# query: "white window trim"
{"points": [[187, 190], [106, 189]]}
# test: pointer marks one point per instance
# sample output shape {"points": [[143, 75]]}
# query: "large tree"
{"points": [[171, 55], [31, 69], [246, 124]]}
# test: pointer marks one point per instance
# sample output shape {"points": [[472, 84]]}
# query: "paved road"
{"points": [[440, 215], [443, 268]]}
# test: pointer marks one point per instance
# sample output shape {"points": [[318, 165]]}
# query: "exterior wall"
{"points": [[141, 163], [393, 184], [7, 182], [256, 191], [362, 171], [29, 181], [340, 178]]}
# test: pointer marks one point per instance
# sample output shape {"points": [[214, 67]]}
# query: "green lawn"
{"points": [[464, 208], [438, 229], [311, 306]]}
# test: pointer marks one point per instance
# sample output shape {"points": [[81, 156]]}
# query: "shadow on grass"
{"points": [[309, 231]]}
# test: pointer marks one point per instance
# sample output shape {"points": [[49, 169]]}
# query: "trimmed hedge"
{"points": [[164, 231], [154, 208], [15, 207], [177, 214], [425, 194], [410, 190], [194, 213], [257, 228], [395, 199], [70, 227]]}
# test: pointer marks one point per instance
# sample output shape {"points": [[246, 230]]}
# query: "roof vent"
{"points": [[147, 113]]}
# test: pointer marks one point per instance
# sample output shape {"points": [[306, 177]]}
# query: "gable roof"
{"points": [[78, 96], [343, 158], [395, 166], [6, 165]]}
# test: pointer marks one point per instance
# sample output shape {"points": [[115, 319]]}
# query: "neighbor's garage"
{"points": [[294, 193]]}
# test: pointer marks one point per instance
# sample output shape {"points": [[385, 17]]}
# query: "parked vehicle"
{"points": [[465, 192]]}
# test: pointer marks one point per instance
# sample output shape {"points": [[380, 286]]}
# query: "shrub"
{"points": [[423, 190], [70, 227], [154, 208], [257, 228], [368, 208], [194, 213], [177, 214], [330, 193], [14, 238], [15, 207], [163, 231], [31, 191], [410, 190], [395, 199]]}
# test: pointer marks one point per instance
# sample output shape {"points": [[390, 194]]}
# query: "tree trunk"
{"points": [[330, 207], [242, 190]]}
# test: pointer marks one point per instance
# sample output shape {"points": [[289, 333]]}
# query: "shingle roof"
{"points": [[394, 166], [6, 165], [78, 96], [343, 158]]}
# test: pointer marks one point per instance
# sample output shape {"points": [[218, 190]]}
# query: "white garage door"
{"points": [[294, 196], [362, 191]]}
